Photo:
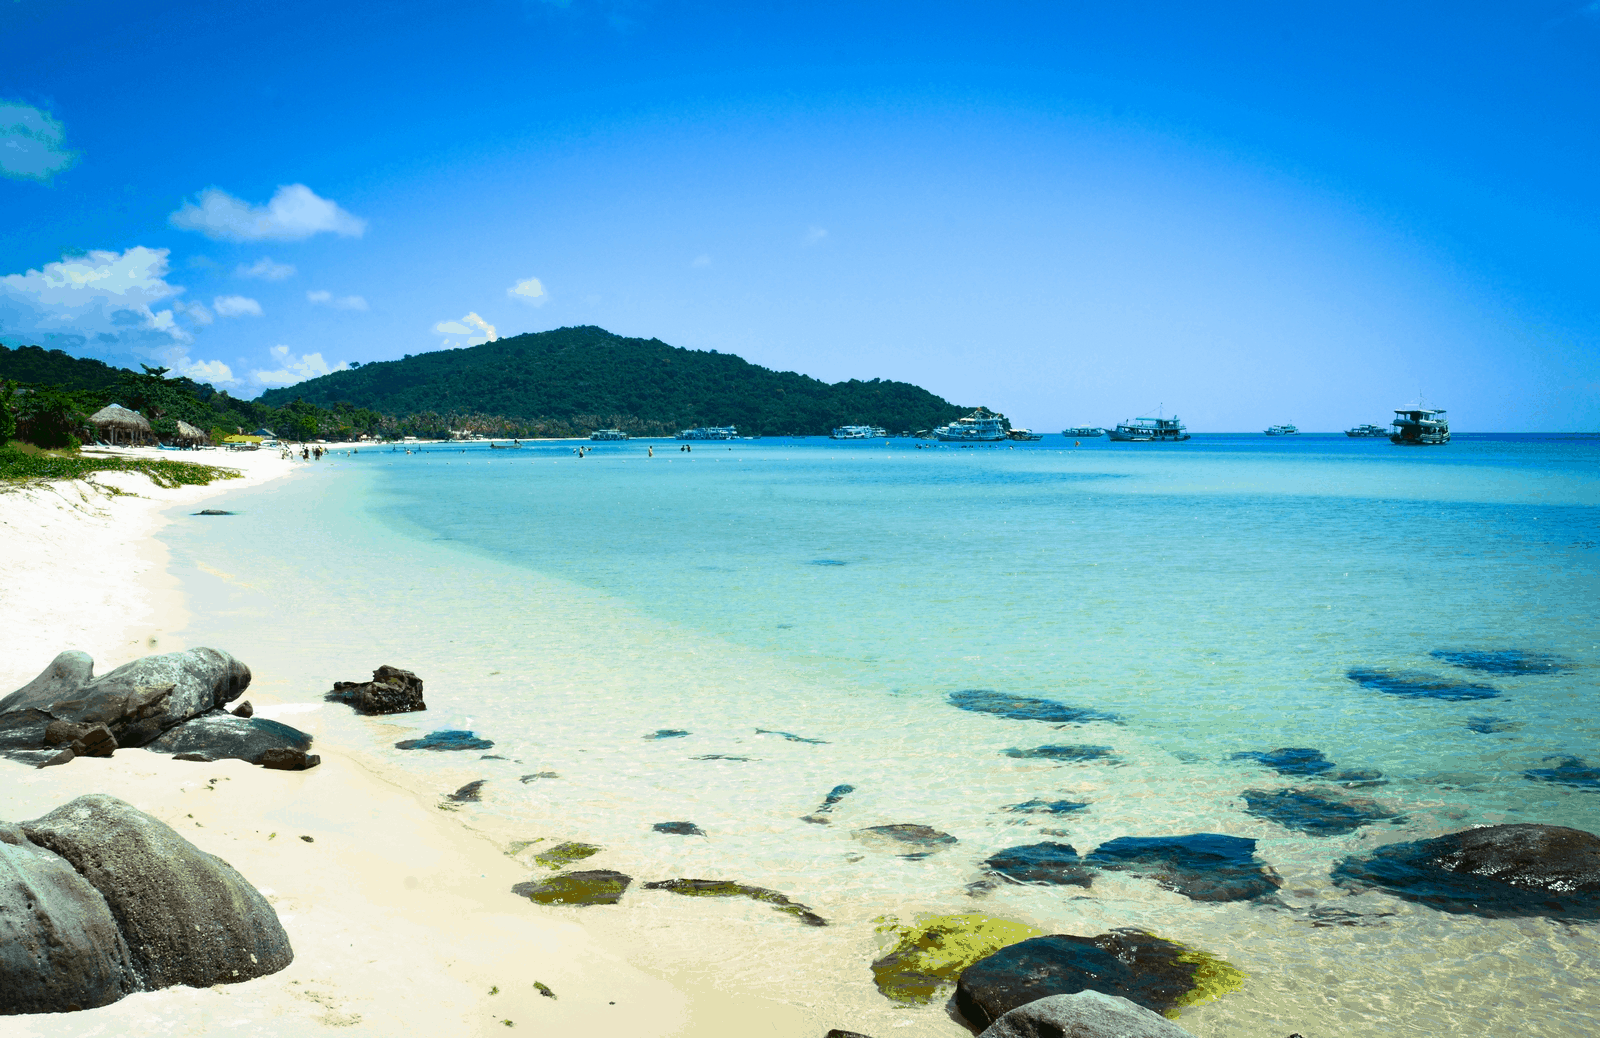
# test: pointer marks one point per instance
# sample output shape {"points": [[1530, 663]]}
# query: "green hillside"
{"points": [[586, 378], [35, 365]]}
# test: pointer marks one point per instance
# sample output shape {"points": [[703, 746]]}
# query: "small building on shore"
{"points": [[190, 435], [116, 425]]}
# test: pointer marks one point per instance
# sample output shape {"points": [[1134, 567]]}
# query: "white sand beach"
{"points": [[400, 916]]}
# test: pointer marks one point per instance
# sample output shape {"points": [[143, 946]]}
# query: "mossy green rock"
{"points": [[563, 854], [595, 887], [726, 888], [933, 951]]}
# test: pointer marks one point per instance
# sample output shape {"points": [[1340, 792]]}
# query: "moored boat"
{"points": [[981, 426], [709, 432], [608, 434], [1419, 427], [1082, 431], [1025, 434], [1367, 430], [1149, 430], [1281, 430], [858, 432]]}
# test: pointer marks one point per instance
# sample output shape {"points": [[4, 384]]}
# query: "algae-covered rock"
{"points": [[1150, 971], [932, 951], [563, 854], [595, 887], [726, 888]]}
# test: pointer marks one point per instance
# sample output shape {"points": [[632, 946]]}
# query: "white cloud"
{"points": [[815, 234], [100, 303], [326, 298], [473, 329], [292, 369], [212, 371], [266, 270], [295, 212], [30, 143], [195, 312], [701, 261], [236, 306], [529, 290]]}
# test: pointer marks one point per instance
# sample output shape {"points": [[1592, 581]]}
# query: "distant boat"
{"points": [[981, 426], [1417, 427], [506, 447], [1149, 430], [1281, 430], [1025, 434], [710, 432], [608, 434], [1367, 430], [858, 432], [1080, 431]]}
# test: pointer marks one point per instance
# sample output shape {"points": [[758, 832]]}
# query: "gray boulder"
{"points": [[223, 736], [60, 948], [136, 702], [187, 917], [391, 691], [1087, 1014]]}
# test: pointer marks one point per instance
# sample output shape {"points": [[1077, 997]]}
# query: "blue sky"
{"points": [[1072, 213]]}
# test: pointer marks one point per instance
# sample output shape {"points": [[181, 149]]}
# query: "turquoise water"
{"points": [[1212, 595]]}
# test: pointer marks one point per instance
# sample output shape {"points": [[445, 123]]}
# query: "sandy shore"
{"points": [[400, 916]]}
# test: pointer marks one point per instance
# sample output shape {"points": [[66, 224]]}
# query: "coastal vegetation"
{"points": [[20, 464]]}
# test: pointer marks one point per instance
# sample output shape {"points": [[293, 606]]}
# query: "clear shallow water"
{"points": [[1213, 595]]}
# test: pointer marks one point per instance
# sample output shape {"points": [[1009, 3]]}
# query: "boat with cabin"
{"points": [[981, 426], [1368, 430], [1281, 430], [709, 432], [608, 434], [858, 432], [1150, 430], [1083, 431], [1419, 427]]}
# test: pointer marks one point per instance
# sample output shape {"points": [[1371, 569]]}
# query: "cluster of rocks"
{"points": [[391, 691], [172, 703], [98, 900]]}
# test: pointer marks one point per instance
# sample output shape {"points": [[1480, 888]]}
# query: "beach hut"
{"points": [[189, 434], [116, 424]]}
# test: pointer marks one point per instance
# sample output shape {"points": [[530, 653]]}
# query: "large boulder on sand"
{"points": [[187, 917], [1087, 1014], [220, 735], [391, 691], [60, 948], [137, 701]]}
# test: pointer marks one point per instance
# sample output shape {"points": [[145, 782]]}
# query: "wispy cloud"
{"points": [[701, 261], [814, 234], [322, 297], [31, 143], [472, 329], [266, 270], [195, 312], [236, 306], [291, 369], [295, 212], [529, 290]]}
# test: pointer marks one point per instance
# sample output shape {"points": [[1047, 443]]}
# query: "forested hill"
{"points": [[35, 365], [588, 378]]}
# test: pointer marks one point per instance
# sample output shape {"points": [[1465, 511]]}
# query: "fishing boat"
{"points": [[1419, 427], [1150, 430], [608, 434], [1281, 430], [709, 432], [1025, 434], [981, 426], [1367, 430], [1083, 431]]}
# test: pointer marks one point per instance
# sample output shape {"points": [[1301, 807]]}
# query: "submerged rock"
{"points": [[724, 888], [445, 740], [1200, 866], [1503, 661], [213, 511], [565, 854], [829, 802], [525, 779], [721, 756], [792, 737], [932, 952], [678, 828], [1063, 753], [1309, 811], [1494, 871], [1419, 685], [1087, 1014], [391, 691], [1049, 863], [1024, 708], [1569, 771], [1046, 807], [923, 840], [471, 793], [1290, 760], [667, 733], [1157, 974], [597, 887], [1492, 725]]}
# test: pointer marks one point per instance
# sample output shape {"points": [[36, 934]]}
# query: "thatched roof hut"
{"points": [[116, 423], [190, 434]]}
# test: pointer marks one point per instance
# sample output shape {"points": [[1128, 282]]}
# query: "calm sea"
{"points": [[804, 610]]}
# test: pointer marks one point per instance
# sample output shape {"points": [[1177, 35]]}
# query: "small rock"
{"points": [[66, 756], [725, 888], [1086, 1014], [198, 758], [1044, 863], [678, 828], [667, 733], [284, 758], [445, 740], [391, 691], [97, 741], [1024, 708], [471, 793], [598, 887], [244, 709], [829, 802], [64, 733], [213, 511], [538, 775], [792, 737], [1046, 807], [1309, 811]]}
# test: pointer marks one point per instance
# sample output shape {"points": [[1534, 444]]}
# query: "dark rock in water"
{"points": [[1087, 1014], [1495, 871], [829, 802], [834, 1032], [1049, 863], [287, 758], [471, 793], [538, 775], [1319, 814], [1063, 753], [724, 888], [1569, 771], [828, 562], [187, 917], [1200, 866], [1418, 685], [136, 702], [678, 829], [1046, 807], [563, 854], [212, 511], [792, 737], [60, 948], [1491, 725], [720, 756], [667, 733], [923, 839], [1290, 760], [223, 736], [445, 740], [391, 691], [244, 709], [1024, 708], [1503, 661], [597, 887], [195, 758], [1156, 974]]}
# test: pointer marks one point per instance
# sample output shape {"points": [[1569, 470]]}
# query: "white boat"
{"points": [[1281, 430], [858, 432], [1419, 427], [608, 434], [1083, 431], [1150, 430], [1025, 434], [981, 426], [1367, 431], [710, 432]]}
